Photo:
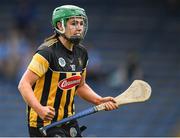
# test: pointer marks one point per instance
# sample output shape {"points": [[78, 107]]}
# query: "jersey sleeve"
{"points": [[39, 63], [84, 73]]}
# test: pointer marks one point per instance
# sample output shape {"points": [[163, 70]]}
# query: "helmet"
{"points": [[63, 13]]}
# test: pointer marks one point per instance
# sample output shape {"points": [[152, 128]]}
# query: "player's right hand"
{"points": [[47, 113]]}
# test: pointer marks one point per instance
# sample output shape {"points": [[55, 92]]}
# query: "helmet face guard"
{"points": [[63, 13]]}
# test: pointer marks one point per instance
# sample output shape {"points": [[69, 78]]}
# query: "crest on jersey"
{"points": [[73, 67], [62, 62]]}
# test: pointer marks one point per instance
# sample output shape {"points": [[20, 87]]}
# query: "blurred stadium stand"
{"points": [[149, 28]]}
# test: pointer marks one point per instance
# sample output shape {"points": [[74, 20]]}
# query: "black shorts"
{"points": [[70, 129]]}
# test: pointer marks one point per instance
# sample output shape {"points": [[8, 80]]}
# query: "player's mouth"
{"points": [[77, 34]]}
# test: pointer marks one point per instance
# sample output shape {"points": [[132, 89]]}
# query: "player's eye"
{"points": [[81, 23], [76, 23], [73, 23]]}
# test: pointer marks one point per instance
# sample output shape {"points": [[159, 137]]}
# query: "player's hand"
{"points": [[47, 113], [109, 103]]}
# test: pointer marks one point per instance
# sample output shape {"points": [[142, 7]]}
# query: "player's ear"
{"points": [[59, 26]]}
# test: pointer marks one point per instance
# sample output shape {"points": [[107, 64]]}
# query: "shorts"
{"points": [[70, 129]]}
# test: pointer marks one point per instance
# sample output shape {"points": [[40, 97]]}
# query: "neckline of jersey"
{"points": [[66, 49]]}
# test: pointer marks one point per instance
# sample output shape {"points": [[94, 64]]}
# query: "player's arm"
{"points": [[25, 87], [86, 93]]}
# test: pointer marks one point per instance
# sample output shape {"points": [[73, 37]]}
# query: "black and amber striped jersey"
{"points": [[60, 72]]}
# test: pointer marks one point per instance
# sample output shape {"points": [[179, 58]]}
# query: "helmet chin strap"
{"points": [[73, 39], [58, 31]]}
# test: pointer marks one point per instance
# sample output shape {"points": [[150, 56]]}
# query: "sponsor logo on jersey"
{"points": [[69, 83], [62, 62]]}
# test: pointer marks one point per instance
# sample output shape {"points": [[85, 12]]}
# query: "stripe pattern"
{"points": [[51, 95]]}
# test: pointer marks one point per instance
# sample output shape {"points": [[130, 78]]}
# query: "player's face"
{"points": [[75, 27]]}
